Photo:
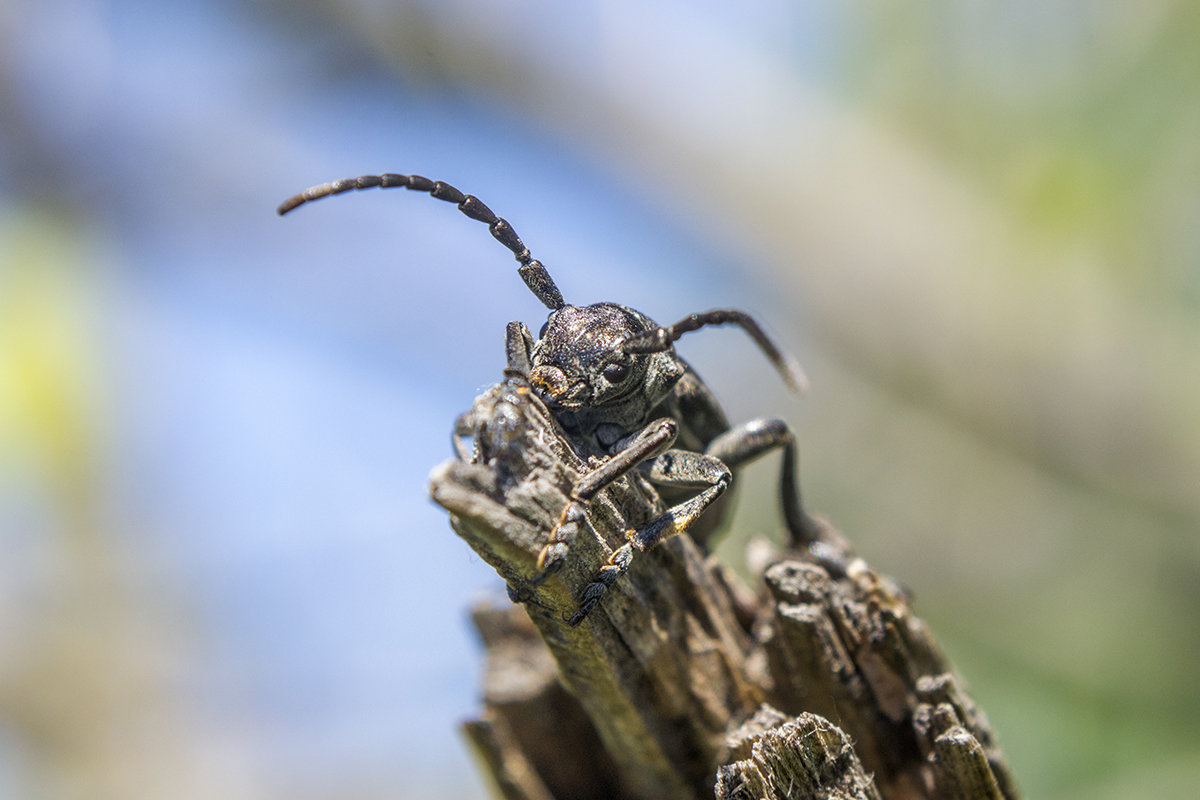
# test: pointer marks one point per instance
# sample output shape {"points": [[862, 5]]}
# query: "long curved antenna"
{"points": [[660, 339], [531, 270]]}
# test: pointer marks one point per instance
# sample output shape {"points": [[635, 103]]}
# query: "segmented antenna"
{"points": [[659, 339], [531, 270]]}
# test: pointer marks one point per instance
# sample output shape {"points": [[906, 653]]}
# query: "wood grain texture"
{"points": [[684, 682]]}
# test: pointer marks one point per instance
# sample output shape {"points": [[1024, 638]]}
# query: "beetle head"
{"points": [[580, 367]]}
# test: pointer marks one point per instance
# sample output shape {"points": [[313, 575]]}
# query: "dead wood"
{"points": [[683, 682]]}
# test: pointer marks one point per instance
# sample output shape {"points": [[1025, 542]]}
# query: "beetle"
{"points": [[611, 377]]}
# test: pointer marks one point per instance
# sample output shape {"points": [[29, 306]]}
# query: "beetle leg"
{"points": [[463, 438], [679, 468], [468, 426], [517, 344], [648, 443], [746, 442]]}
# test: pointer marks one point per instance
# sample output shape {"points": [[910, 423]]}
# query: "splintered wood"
{"points": [[683, 682]]}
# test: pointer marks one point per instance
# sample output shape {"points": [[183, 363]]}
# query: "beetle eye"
{"points": [[615, 373], [542, 332]]}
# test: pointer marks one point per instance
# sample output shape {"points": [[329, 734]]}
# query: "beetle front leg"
{"points": [[680, 468], [648, 443], [518, 342]]}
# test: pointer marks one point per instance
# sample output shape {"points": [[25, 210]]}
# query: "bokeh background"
{"points": [[977, 225]]}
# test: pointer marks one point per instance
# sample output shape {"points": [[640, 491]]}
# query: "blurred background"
{"points": [[978, 227]]}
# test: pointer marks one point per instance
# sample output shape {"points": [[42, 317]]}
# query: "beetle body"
{"points": [[612, 379]]}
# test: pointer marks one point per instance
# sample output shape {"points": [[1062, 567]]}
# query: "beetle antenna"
{"points": [[531, 270], [660, 339]]}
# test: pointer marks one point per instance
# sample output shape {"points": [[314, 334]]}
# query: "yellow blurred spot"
{"points": [[46, 355]]}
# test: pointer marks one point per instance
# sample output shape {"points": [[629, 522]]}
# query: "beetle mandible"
{"points": [[610, 375]]}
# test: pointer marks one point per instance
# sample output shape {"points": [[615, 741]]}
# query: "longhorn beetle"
{"points": [[610, 376]]}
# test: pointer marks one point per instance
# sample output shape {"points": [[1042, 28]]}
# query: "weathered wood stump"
{"points": [[683, 682]]}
